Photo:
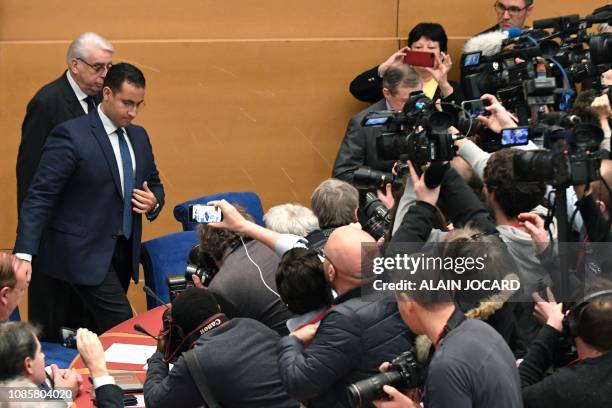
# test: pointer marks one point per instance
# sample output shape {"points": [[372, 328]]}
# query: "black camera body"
{"points": [[418, 133], [405, 372], [199, 263], [377, 215], [574, 158]]}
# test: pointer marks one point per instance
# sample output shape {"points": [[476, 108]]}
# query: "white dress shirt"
{"points": [[110, 129], [78, 92]]}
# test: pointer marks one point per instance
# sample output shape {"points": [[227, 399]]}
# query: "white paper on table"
{"points": [[140, 399], [129, 353]]}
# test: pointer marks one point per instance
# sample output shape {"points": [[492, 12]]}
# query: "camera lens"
{"points": [[365, 391]]}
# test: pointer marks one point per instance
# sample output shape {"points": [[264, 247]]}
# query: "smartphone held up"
{"points": [[205, 214]]}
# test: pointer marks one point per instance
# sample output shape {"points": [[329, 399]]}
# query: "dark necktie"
{"points": [[91, 104], [128, 183]]}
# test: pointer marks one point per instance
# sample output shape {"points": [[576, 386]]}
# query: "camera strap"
{"points": [[200, 379], [453, 322]]}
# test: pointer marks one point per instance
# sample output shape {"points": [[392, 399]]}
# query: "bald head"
{"points": [[343, 251]]}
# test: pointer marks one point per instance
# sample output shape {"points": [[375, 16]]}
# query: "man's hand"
{"points": [[306, 334], [21, 265], [549, 312], [439, 72], [394, 60], [66, 379], [500, 118], [396, 399], [232, 219], [91, 351], [535, 226], [422, 192], [386, 197], [144, 200], [601, 107]]}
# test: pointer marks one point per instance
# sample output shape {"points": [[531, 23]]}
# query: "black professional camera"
{"points": [[199, 263], [377, 215], [418, 133], [573, 159], [405, 372]]}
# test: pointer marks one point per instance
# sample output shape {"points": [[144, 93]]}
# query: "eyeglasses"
{"points": [[512, 10], [99, 67]]}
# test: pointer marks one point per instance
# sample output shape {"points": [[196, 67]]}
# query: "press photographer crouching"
{"points": [[244, 286], [586, 381], [217, 360]]}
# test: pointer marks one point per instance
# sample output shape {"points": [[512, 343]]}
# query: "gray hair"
{"points": [[291, 219], [398, 76], [81, 46], [334, 203]]}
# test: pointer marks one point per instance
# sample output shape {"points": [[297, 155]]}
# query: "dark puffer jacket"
{"points": [[354, 338]]}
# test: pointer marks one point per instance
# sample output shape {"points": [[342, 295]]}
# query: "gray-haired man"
{"points": [[73, 94]]}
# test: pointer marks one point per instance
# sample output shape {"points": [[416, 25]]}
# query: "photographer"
{"points": [[456, 375], [220, 361], [586, 381], [244, 285], [470, 219], [424, 37], [301, 284], [594, 205], [354, 336]]}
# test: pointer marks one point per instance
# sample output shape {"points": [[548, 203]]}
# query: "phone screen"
{"points": [[68, 337], [515, 137], [472, 59], [419, 58], [475, 107], [204, 214]]}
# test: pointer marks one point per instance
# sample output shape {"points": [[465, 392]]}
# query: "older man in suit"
{"points": [[73, 94], [82, 215], [358, 147]]}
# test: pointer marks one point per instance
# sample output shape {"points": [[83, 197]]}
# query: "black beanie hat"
{"points": [[193, 307]]}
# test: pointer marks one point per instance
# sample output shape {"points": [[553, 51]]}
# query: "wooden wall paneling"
{"points": [[196, 19]]}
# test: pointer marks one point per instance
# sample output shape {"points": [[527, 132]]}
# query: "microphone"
{"points": [[489, 44], [142, 330], [557, 22], [150, 292], [435, 173]]}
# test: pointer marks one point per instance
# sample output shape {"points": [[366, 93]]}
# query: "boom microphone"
{"points": [[488, 44]]}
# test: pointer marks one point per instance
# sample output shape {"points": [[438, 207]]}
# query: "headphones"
{"points": [[571, 321]]}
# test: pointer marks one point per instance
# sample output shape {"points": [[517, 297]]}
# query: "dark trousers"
{"points": [[53, 303]]}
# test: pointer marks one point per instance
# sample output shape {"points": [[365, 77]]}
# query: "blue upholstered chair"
{"points": [[247, 199], [55, 353], [163, 256]]}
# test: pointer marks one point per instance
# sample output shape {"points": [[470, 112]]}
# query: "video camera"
{"points": [[405, 372], [418, 133], [199, 263], [574, 157], [548, 64]]}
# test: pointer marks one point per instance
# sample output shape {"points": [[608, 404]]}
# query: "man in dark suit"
{"points": [[73, 94], [358, 147], [82, 215]]}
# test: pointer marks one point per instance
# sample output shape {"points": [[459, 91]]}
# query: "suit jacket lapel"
{"points": [[136, 143], [74, 106], [107, 149]]}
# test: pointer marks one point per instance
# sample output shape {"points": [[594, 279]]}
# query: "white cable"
{"points": [[258, 268]]}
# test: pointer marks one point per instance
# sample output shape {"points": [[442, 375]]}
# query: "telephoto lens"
{"points": [[405, 372]]}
